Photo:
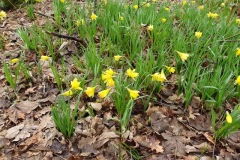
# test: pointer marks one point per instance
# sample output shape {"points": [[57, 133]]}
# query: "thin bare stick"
{"points": [[44, 15], [68, 37]]}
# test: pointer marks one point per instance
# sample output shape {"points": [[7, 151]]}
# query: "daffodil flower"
{"points": [[79, 22], [201, 7], [166, 9], [147, 5], [104, 93], [159, 77], [238, 80], [150, 28], [2, 15], [183, 56], [90, 91], [110, 72], [237, 21], [15, 60], [75, 85], [121, 18], [45, 58], [68, 93], [133, 93], [94, 17], [117, 57], [222, 4], [198, 34], [212, 15], [63, 1], [228, 118], [184, 3], [132, 73], [170, 69], [135, 6], [238, 52], [110, 82], [163, 20]]}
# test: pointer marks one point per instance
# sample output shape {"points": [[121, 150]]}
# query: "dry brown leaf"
{"points": [[27, 106], [154, 144], [174, 144], [96, 106], [149, 142], [12, 132], [209, 137]]}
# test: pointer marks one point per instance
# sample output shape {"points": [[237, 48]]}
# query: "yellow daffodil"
{"points": [[135, 6], [105, 1], [132, 73], [75, 85], [3, 15], [79, 22], [198, 34], [90, 91], [201, 7], [183, 56], [106, 76], [163, 20], [238, 52], [117, 57], [222, 4], [38, 0], [166, 9], [228, 117], [237, 82], [94, 17], [238, 21], [150, 28], [68, 93], [147, 5], [110, 82], [155, 76], [63, 1], [159, 77], [15, 60], [184, 3], [121, 18], [104, 93], [45, 58], [170, 69], [212, 15], [133, 93], [110, 72]]}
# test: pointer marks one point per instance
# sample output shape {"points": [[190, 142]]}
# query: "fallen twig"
{"points": [[68, 37], [44, 15]]}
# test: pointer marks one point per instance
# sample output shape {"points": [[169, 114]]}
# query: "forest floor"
{"points": [[165, 131]]}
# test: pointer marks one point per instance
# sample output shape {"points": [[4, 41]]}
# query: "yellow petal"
{"points": [[104, 93], [75, 85], [68, 93], [238, 80], [183, 56], [45, 58], [15, 60], [228, 117], [133, 93], [90, 91]]}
